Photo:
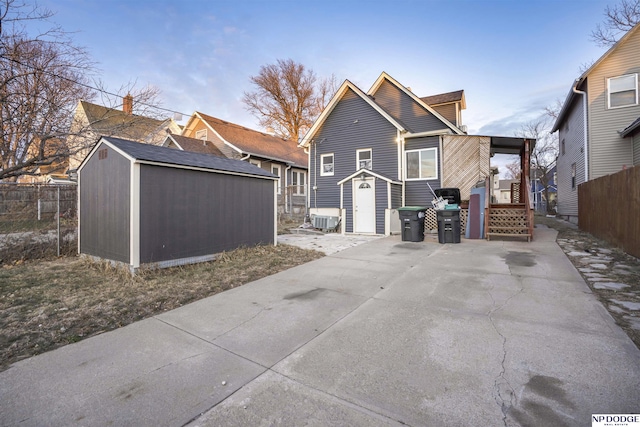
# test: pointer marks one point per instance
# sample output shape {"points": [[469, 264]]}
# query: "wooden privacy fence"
{"points": [[609, 209]]}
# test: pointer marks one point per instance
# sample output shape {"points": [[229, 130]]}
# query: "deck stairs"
{"points": [[509, 220]]}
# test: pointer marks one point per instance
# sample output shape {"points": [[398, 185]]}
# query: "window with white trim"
{"points": [[201, 134], [623, 90], [258, 163], [298, 182], [326, 165], [573, 176], [363, 159], [421, 164], [275, 169]]}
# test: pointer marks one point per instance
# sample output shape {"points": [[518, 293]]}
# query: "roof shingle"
{"points": [[171, 156], [258, 143]]}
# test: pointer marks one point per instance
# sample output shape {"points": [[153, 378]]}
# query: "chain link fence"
{"points": [[37, 221]]}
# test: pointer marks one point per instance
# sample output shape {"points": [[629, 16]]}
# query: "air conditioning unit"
{"points": [[325, 223]]}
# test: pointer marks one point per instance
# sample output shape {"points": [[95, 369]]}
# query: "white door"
{"points": [[364, 205]]}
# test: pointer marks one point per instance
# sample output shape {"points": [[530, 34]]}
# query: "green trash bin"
{"points": [[412, 223]]}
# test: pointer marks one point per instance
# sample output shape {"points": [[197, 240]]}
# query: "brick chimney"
{"points": [[127, 104]]}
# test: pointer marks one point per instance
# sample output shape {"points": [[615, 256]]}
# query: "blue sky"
{"points": [[512, 58]]}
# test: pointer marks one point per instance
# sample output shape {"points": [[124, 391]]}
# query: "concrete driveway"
{"points": [[384, 333]]}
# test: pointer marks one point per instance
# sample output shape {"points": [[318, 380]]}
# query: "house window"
{"points": [[275, 169], [623, 91], [326, 165], [201, 134], [298, 181], [422, 164], [573, 176], [363, 159]]}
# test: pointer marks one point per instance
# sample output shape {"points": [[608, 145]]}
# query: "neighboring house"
{"points": [[537, 189], [598, 122], [373, 152], [502, 191], [191, 144], [56, 172], [281, 157], [92, 121]]}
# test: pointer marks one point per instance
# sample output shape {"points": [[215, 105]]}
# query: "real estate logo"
{"points": [[615, 420]]}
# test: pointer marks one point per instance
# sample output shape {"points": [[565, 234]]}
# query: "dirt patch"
{"points": [[48, 304], [612, 274]]}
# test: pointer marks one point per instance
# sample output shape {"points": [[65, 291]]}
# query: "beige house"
{"points": [[91, 121], [598, 122]]}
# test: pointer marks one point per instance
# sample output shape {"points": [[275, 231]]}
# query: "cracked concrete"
{"points": [[382, 333]]}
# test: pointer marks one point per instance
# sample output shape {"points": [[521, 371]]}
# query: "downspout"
{"points": [[315, 174], [586, 136], [308, 193], [245, 157], [286, 189]]}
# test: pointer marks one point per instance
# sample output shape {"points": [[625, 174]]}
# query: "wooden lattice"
{"points": [[515, 192], [508, 221], [431, 221]]}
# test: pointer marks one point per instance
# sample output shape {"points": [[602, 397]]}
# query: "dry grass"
{"points": [[47, 304]]}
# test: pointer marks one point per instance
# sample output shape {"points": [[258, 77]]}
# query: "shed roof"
{"points": [[178, 158]]}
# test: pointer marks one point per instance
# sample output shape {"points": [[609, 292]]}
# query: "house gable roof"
{"points": [[571, 95], [110, 121], [346, 86], [446, 98], [171, 157], [255, 143], [370, 173], [386, 77], [194, 145]]}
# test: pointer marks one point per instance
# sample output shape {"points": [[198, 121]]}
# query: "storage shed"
{"points": [[141, 204]]}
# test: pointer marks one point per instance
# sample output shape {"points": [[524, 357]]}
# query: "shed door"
{"points": [[364, 206]]}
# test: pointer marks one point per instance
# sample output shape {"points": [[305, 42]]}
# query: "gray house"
{"points": [[597, 124], [141, 204], [373, 152]]}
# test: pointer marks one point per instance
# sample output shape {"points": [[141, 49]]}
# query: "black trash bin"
{"points": [[448, 225], [412, 223]]}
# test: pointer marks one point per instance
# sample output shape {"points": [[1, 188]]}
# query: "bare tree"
{"points": [[545, 152], [618, 20], [288, 97], [41, 80], [513, 170]]}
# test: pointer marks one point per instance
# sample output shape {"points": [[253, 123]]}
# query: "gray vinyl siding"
{"points": [[341, 135], [396, 196], [381, 204], [348, 204], [186, 213], [572, 132], [608, 152], [404, 108], [417, 193], [104, 205], [636, 149]]}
